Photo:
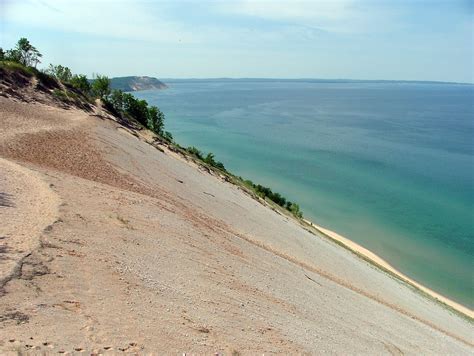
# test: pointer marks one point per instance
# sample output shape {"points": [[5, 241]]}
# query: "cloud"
{"points": [[123, 19], [295, 10], [166, 22], [331, 16]]}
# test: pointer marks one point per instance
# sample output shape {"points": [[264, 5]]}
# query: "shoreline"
{"points": [[384, 265]]}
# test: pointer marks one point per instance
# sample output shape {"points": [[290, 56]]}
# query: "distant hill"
{"points": [[134, 83]]}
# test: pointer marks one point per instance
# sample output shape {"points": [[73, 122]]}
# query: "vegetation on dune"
{"points": [[126, 105], [76, 87], [259, 190], [80, 82], [265, 192], [64, 75], [101, 87], [61, 73], [24, 53], [209, 158]]}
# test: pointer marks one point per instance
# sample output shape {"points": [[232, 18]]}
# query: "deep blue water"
{"points": [[389, 165]]}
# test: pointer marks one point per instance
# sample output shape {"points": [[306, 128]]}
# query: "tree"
{"points": [[210, 159], [61, 73], [80, 81], [116, 98], [2, 54], [25, 53], [150, 117], [295, 209], [277, 198], [12, 55], [194, 151], [101, 87], [168, 136], [220, 165], [155, 120]]}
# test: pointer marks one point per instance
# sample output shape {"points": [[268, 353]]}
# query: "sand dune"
{"points": [[130, 248]]}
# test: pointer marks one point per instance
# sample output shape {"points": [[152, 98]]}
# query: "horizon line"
{"points": [[328, 80]]}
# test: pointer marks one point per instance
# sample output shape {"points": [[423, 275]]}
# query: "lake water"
{"points": [[388, 165]]}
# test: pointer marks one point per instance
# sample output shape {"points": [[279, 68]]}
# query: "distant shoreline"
{"points": [[316, 80], [384, 265]]}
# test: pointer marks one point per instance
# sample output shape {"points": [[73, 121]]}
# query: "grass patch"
{"points": [[17, 67], [60, 95]]}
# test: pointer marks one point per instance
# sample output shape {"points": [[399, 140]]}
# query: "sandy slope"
{"points": [[24, 215], [149, 253]]}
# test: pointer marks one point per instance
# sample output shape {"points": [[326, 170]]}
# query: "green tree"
{"points": [[168, 136], [295, 209], [12, 55], [210, 159], [150, 117], [101, 87], [62, 73], [2, 54], [155, 120], [277, 198], [80, 82], [116, 98], [137, 109], [25, 53], [194, 151], [220, 165]]}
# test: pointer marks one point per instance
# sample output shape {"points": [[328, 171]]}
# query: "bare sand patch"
{"points": [[28, 206]]}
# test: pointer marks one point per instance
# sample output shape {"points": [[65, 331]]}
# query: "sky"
{"points": [[363, 39]]}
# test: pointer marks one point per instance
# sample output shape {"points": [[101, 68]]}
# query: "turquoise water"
{"points": [[389, 165]]}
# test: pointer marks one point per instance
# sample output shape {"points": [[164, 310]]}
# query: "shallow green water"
{"points": [[390, 166]]}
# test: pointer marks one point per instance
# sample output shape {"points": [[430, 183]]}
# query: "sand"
{"points": [[138, 250], [351, 245]]}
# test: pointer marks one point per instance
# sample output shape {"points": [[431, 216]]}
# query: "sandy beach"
{"points": [[351, 245], [139, 249]]}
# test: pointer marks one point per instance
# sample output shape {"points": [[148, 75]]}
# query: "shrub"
{"points": [[212, 162], [61, 73], [194, 151], [16, 66], [168, 136], [60, 94], [101, 87], [295, 209], [116, 99], [80, 82], [277, 198]]}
